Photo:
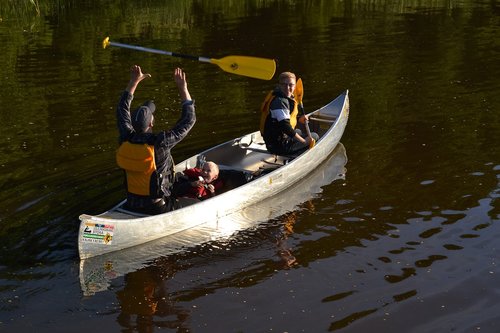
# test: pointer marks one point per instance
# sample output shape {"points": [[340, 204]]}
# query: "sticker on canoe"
{"points": [[98, 233]]}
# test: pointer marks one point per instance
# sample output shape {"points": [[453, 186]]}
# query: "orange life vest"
{"points": [[264, 111], [138, 161]]}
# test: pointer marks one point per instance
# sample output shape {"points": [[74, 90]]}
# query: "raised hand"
{"points": [[136, 76], [180, 80]]}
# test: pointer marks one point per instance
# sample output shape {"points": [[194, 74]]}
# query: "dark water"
{"points": [[404, 240]]}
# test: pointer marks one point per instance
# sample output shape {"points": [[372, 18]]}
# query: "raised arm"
{"points": [[180, 80], [123, 110]]}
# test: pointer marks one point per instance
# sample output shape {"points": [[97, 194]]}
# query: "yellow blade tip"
{"points": [[105, 42]]}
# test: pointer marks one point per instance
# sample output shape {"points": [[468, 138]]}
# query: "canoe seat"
{"points": [[259, 147], [253, 145], [323, 119]]}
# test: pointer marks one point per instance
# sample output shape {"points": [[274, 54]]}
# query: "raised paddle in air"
{"points": [[258, 68]]}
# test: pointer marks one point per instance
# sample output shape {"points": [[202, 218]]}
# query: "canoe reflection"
{"points": [[96, 273]]}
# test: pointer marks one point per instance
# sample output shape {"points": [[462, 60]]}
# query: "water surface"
{"points": [[406, 239]]}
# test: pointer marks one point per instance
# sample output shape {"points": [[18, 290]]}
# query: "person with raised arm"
{"points": [[146, 156]]}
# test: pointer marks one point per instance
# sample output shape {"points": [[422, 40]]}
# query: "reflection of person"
{"points": [[145, 156], [145, 297], [280, 134], [199, 183], [140, 295]]}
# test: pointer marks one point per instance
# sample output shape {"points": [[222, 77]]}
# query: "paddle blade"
{"points": [[258, 68], [299, 91]]}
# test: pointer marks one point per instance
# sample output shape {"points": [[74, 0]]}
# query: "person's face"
{"points": [[208, 173], [288, 86]]}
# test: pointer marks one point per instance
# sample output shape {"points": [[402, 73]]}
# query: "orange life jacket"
{"points": [[264, 112], [138, 161]]}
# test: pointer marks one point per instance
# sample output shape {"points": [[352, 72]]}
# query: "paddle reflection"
{"points": [[289, 220]]}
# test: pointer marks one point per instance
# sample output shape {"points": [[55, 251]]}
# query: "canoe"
{"points": [[275, 215], [250, 173]]}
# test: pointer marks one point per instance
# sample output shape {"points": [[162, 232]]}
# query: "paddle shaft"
{"points": [[306, 121], [150, 50]]}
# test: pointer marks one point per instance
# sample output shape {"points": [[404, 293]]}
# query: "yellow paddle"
{"points": [[258, 68], [299, 94]]}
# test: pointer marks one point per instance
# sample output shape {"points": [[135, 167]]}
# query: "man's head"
{"points": [[143, 118], [287, 82], [210, 172]]}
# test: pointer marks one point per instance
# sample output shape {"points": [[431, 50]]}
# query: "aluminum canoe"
{"points": [[118, 229]]}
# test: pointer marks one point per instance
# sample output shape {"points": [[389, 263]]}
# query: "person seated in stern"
{"points": [[279, 118], [199, 182]]}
